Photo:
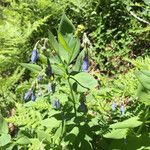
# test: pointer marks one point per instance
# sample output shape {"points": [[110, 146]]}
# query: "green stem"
{"points": [[72, 95]]}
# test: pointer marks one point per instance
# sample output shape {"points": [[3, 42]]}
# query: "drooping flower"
{"points": [[85, 64], [122, 109], [53, 87], [83, 107], [113, 106], [48, 70], [27, 95], [56, 104], [35, 56], [33, 97]]}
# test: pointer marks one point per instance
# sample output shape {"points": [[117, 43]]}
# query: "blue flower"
{"points": [[33, 97], [27, 95], [56, 104], [85, 64], [35, 56], [113, 106], [122, 109], [53, 87]]}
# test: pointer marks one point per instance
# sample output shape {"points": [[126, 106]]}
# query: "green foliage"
{"points": [[73, 109]]}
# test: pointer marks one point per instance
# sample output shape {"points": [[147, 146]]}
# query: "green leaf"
{"points": [[36, 144], [74, 44], [85, 80], [75, 131], [53, 42], [10, 146], [23, 140], [129, 123], [3, 125], [50, 122], [146, 72], [117, 134], [57, 135], [144, 95], [143, 79], [43, 135], [79, 61], [4, 139], [147, 2], [66, 25], [32, 67], [63, 43]]}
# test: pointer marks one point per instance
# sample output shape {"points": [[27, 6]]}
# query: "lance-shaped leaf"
{"points": [[32, 67], [66, 25], [117, 134], [85, 80], [129, 123]]}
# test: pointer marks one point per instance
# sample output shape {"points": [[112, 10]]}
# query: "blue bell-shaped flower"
{"points": [[27, 95], [85, 64], [33, 97], [35, 56], [122, 109], [56, 104]]}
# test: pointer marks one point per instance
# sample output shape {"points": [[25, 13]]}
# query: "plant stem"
{"points": [[72, 95]]}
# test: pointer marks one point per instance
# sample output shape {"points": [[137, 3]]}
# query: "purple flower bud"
{"points": [[122, 109], [53, 87], [113, 106], [48, 70], [56, 104], [85, 64], [82, 106], [33, 97], [34, 56], [27, 95]]}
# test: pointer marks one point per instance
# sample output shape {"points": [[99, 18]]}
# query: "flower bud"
{"points": [[113, 106], [83, 107], [85, 64], [56, 104], [122, 109], [34, 56], [53, 87], [48, 70], [27, 95], [33, 97]]}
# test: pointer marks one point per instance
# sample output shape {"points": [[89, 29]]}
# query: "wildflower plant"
{"points": [[62, 108]]}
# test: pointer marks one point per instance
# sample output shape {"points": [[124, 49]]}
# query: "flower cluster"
{"points": [[30, 94], [122, 108]]}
